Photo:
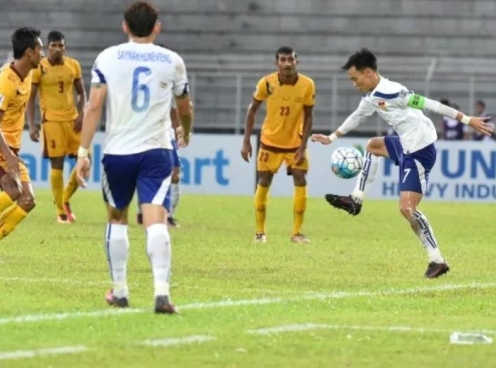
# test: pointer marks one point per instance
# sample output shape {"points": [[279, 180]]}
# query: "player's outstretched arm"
{"points": [[423, 103], [351, 122], [33, 129], [246, 149]]}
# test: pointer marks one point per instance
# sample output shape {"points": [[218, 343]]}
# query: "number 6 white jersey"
{"points": [[142, 79]]}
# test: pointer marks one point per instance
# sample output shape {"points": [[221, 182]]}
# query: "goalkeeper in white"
{"points": [[412, 150]]}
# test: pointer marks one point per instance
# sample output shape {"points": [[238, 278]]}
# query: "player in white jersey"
{"points": [[412, 150], [137, 80]]}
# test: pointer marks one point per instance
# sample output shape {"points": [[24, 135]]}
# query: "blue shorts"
{"points": [[148, 173], [175, 154], [414, 167]]}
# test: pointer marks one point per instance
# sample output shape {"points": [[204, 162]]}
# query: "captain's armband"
{"points": [[416, 101]]}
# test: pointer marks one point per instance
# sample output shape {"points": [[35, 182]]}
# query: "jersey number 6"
{"points": [[140, 104]]}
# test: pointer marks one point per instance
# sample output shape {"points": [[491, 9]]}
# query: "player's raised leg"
{"points": [[352, 204], [152, 186], [72, 185]]}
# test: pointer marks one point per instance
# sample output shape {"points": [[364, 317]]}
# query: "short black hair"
{"points": [[445, 101], [141, 17], [361, 60], [481, 103], [285, 50], [24, 38], [55, 36]]}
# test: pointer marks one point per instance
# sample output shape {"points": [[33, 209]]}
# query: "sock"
{"points": [[117, 249], [299, 207], [5, 202], [71, 187], [366, 177], [57, 182], [261, 196], [16, 215], [423, 230], [158, 245], [175, 190], [7, 212]]}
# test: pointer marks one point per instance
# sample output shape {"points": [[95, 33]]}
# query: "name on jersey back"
{"points": [[156, 57]]}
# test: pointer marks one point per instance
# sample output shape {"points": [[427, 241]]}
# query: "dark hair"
{"points": [[55, 36], [285, 50], [141, 17], [24, 38], [481, 103], [445, 101], [361, 60]]}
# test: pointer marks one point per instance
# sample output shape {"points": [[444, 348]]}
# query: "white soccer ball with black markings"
{"points": [[346, 162]]}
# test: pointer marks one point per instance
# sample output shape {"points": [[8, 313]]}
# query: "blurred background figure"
{"points": [[480, 110], [451, 129]]}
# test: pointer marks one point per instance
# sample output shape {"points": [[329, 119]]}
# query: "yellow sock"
{"points": [[7, 212], [5, 201], [71, 187], [261, 196], [11, 221], [299, 207], [57, 182]]}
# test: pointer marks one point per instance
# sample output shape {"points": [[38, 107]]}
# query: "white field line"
{"points": [[44, 280], [318, 326], [174, 341], [247, 302], [21, 354]]}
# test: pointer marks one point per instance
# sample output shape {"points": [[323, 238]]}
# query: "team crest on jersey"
{"points": [[299, 99], [382, 105]]}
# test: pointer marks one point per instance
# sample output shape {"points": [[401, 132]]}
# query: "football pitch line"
{"points": [[268, 331], [43, 317], [319, 326]]}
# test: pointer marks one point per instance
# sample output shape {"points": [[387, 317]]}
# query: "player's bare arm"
{"points": [[92, 116], [185, 111], [81, 95], [246, 150], [12, 160], [423, 103], [34, 133], [307, 128]]}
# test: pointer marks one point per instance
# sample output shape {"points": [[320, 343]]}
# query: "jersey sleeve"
{"points": [[98, 71], [7, 93], [36, 75], [364, 109], [181, 85], [77, 70], [309, 99], [260, 93]]}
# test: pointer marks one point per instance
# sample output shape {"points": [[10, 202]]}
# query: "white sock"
{"points": [[175, 195], [117, 249], [159, 252], [425, 233], [366, 177]]}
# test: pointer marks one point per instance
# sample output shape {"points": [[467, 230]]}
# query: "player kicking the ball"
{"points": [[137, 79], [412, 150]]}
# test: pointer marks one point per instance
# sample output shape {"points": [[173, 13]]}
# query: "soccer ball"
{"points": [[346, 162]]}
